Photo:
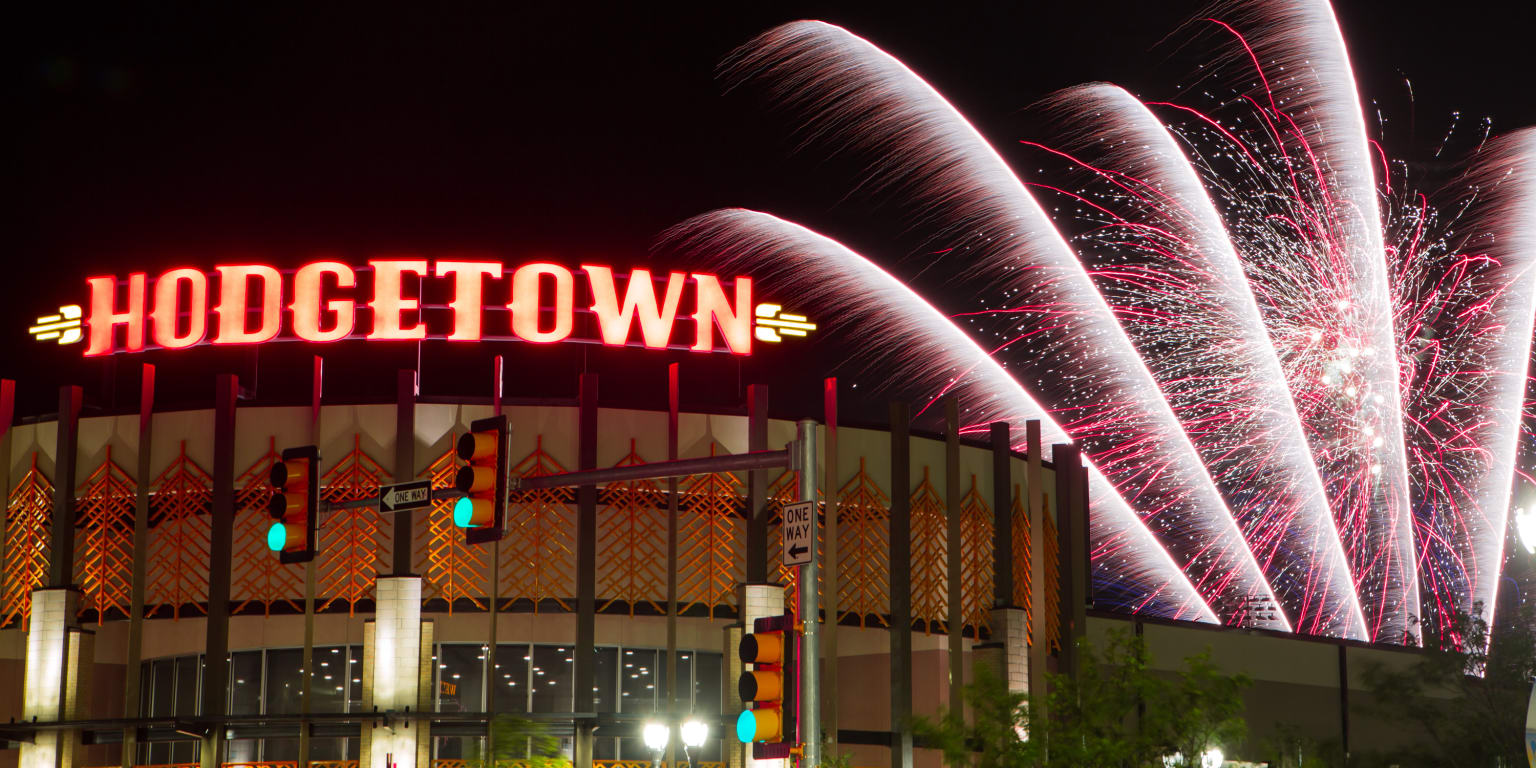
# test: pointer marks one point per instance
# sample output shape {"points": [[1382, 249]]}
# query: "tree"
{"points": [[1466, 694], [1114, 713], [525, 741]]}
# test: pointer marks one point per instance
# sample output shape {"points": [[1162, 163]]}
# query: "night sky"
{"points": [[145, 136]]}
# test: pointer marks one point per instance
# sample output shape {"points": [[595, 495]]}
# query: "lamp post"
{"points": [[655, 735], [695, 732]]}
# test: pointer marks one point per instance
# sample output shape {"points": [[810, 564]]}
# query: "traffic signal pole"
{"points": [[804, 462]]}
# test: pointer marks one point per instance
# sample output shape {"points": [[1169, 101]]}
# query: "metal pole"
{"points": [[810, 609]]}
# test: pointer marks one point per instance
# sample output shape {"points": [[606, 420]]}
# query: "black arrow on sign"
{"points": [[796, 550]]}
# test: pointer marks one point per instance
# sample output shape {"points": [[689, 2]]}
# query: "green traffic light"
{"points": [[277, 536], [746, 727], [463, 512]]}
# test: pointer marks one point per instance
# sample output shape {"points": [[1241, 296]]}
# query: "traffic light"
{"points": [[768, 689], [295, 504], [482, 510]]}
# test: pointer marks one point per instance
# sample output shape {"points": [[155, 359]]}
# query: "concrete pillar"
{"points": [[397, 677], [757, 601], [1007, 653], [59, 658]]}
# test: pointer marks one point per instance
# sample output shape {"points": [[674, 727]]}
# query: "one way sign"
{"points": [[799, 532], [399, 497]]}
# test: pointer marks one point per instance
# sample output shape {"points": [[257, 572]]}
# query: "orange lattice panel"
{"points": [[930, 557], [353, 542], [455, 570], [711, 555], [28, 512], [104, 550], [1021, 574], [976, 528], [863, 551], [538, 556], [258, 580], [179, 539], [632, 543]]}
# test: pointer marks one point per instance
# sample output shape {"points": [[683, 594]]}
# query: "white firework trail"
{"points": [[1466, 316], [1162, 258], [1324, 285], [1077, 359], [923, 348]]}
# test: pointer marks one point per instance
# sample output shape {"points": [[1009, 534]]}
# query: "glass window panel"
{"points": [[605, 680], [326, 748], [275, 750], [162, 676], [605, 749], [243, 750], [245, 683], [511, 678], [551, 677], [284, 684], [460, 667], [633, 748], [684, 682], [354, 678], [328, 684], [637, 682], [186, 686], [706, 682]]}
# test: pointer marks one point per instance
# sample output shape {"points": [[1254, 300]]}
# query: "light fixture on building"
{"points": [[1525, 526], [655, 734]]}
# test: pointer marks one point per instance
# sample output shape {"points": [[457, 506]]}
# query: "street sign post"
{"points": [[799, 532], [399, 497]]}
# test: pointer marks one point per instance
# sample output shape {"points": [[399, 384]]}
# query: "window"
{"points": [[460, 674], [551, 678], [510, 678]]}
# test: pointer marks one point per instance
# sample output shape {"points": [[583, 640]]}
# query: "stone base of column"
{"points": [[757, 601], [1010, 632], [60, 656], [397, 677]]}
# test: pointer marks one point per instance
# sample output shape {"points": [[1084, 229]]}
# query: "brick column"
{"points": [[59, 655], [397, 676]]}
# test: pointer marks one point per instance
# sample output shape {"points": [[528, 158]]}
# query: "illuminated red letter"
{"points": [[234, 299], [103, 318], [389, 305], [168, 308], [525, 302], [639, 295], [466, 304], [307, 300], [713, 309]]}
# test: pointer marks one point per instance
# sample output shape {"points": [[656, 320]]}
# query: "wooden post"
{"points": [[1002, 515], [954, 536], [673, 407], [586, 568], [220, 553], [901, 587], [61, 556], [142, 480], [829, 577], [1039, 620], [307, 658], [757, 486]]}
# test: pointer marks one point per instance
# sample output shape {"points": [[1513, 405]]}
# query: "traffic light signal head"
{"points": [[295, 504], [767, 689], [482, 510]]}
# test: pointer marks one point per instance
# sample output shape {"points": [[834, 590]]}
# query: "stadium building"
{"points": [[144, 620]]}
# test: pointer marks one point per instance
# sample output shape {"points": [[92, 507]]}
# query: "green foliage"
{"points": [[1467, 696], [1093, 719], [526, 741]]}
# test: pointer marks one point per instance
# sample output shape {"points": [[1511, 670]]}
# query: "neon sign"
{"points": [[325, 301]]}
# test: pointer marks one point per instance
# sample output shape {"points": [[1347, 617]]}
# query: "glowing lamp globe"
{"points": [[277, 536], [655, 735]]}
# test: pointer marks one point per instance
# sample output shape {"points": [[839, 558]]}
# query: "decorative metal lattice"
{"points": [[258, 579], [27, 514], [632, 543], [930, 558], [455, 570], [179, 539], [710, 552], [104, 555], [353, 542], [863, 548], [538, 557], [976, 529]]}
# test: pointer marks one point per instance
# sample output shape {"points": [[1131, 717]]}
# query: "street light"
{"points": [[695, 732], [655, 736], [1525, 527]]}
